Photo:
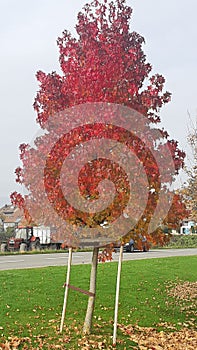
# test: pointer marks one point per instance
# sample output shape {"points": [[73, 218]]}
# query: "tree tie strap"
{"points": [[79, 290]]}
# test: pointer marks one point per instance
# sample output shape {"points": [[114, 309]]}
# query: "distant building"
{"points": [[10, 216], [187, 227]]}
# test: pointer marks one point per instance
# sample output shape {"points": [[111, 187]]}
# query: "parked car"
{"points": [[141, 245]]}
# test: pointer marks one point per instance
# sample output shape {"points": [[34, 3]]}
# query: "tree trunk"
{"points": [[91, 301]]}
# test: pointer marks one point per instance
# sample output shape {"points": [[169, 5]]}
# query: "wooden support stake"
{"points": [[117, 295], [66, 289]]}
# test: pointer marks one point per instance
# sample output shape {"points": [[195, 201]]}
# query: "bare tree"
{"points": [[190, 189]]}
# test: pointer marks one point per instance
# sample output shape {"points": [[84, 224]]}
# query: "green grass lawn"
{"points": [[31, 301]]}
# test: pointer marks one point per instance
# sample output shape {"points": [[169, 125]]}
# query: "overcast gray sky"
{"points": [[28, 34]]}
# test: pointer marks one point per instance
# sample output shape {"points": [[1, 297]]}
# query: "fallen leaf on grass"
{"points": [[150, 339], [185, 295], [86, 343], [13, 343], [4, 346], [184, 291]]}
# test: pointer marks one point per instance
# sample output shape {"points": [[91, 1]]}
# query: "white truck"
{"points": [[31, 238]]}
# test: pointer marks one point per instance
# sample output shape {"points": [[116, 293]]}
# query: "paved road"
{"points": [[60, 259]]}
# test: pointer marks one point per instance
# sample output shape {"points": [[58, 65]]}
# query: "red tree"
{"points": [[105, 63]]}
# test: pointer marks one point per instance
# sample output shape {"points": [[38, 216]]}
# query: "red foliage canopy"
{"points": [[104, 64]]}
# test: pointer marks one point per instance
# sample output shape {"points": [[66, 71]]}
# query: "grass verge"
{"points": [[31, 303]]}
